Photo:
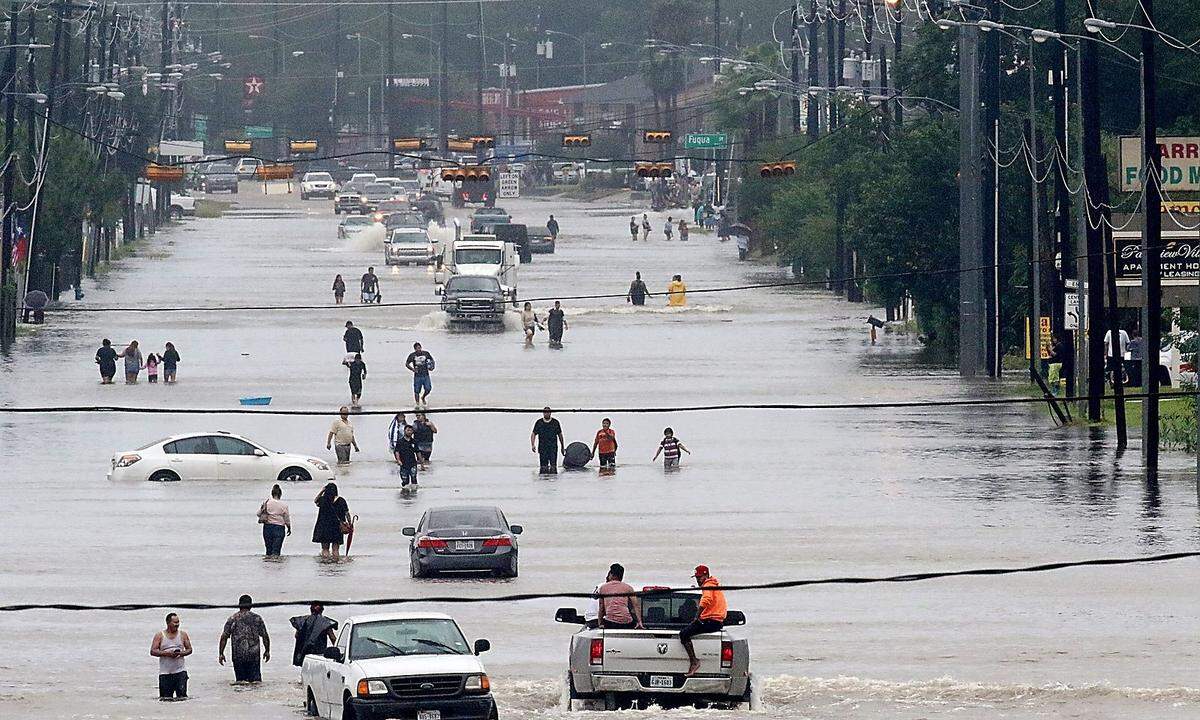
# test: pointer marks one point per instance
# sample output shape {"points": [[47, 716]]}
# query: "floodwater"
{"points": [[764, 496]]}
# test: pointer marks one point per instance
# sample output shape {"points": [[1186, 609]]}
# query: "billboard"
{"points": [[1180, 163], [1180, 257]]}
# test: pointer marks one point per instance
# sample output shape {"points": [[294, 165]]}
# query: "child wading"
{"points": [[670, 448]]}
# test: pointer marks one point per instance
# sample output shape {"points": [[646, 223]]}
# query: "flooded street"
{"points": [[765, 495]]}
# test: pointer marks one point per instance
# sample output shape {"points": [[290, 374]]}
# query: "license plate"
{"points": [[662, 681], [429, 715], [462, 545]]}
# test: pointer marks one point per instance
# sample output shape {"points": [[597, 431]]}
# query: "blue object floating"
{"points": [[263, 400]]}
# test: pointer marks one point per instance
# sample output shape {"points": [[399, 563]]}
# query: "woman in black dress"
{"points": [[332, 511], [358, 371]]}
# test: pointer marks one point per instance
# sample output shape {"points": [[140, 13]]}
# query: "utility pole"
{"points": [[990, 239], [717, 35], [972, 300], [898, 43], [443, 62], [814, 109], [165, 60], [832, 61], [334, 119], [1035, 230], [795, 69], [391, 72], [479, 74], [8, 282], [275, 42], [1151, 244], [1062, 203]]}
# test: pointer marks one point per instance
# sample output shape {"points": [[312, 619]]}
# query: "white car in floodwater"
{"points": [[214, 456]]}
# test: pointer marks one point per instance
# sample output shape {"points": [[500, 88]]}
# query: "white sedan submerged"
{"points": [[214, 456]]}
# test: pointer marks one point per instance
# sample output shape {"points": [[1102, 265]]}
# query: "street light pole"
{"points": [[1151, 241]]}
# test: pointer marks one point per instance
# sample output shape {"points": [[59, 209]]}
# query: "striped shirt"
{"points": [[670, 448]]}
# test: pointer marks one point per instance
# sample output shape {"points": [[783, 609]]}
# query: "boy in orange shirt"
{"points": [[606, 443]]}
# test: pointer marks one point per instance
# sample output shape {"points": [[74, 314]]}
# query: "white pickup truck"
{"points": [[637, 668], [416, 666]]}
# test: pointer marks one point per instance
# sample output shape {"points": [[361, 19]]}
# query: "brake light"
{"points": [[498, 542], [597, 651], [427, 542], [726, 654]]}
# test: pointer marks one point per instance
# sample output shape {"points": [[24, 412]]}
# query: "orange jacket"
{"points": [[712, 601]]}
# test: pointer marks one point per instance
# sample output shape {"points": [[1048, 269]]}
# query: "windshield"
{"points": [[358, 220], [318, 177], [463, 518], [462, 283], [409, 237], [477, 256], [389, 638], [379, 189]]}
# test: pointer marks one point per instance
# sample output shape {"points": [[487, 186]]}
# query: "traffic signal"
{"points": [[460, 145], [467, 173], [163, 173], [409, 143], [302, 146], [484, 141], [237, 146], [656, 137], [781, 169], [574, 141], [654, 170], [275, 172]]}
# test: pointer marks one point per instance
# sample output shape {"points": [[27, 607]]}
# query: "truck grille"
{"points": [[475, 305], [427, 686]]}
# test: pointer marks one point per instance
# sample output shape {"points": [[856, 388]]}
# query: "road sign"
{"points": [[260, 131], [509, 185], [706, 141], [1070, 310]]}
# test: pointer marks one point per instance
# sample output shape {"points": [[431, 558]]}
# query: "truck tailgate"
{"points": [[649, 651]]}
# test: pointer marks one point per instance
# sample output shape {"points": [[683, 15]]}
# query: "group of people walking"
{"points": [[134, 363], [245, 636], [547, 441], [638, 292], [556, 323], [333, 521], [419, 362], [368, 288], [669, 228]]}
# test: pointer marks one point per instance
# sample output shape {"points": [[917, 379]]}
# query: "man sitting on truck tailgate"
{"points": [[709, 619], [619, 609]]}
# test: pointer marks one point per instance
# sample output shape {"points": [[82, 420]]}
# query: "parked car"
{"points": [[182, 205], [463, 538], [414, 665], [219, 177], [348, 202], [407, 245], [636, 668], [214, 456], [317, 184]]}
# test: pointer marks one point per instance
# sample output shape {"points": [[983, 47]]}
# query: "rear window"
{"points": [[220, 168], [669, 610], [409, 237], [443, 519]]}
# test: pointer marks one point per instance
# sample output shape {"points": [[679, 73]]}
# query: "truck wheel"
{"points": [[310, 705], [610, 701]]}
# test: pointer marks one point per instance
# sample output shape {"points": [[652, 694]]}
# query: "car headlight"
{"points": [[371, 687], [318, 464], [477, 683], [127, 460]]}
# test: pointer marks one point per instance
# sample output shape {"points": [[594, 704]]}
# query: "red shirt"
{"points": [[606, 440]]}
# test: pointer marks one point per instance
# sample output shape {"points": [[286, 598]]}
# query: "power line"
{"points": [[523, 597]]}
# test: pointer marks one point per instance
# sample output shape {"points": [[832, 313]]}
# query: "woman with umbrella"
{"points": [[333, 521]]}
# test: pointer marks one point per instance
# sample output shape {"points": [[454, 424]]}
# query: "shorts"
{"points": [[343, 453], [609, 459], [173, 685], [670, 462], [421, 382], [425, 449], [408, 474], [247, 670], [700, 627]]}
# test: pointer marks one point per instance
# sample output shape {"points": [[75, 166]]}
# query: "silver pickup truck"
{"points": [[637, 668]]}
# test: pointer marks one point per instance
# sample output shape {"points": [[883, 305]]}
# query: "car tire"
{"points": [[513, 567], [310, 705], [294, 474], [164, 476], [414, 570]]}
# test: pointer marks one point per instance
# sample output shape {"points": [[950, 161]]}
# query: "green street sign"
{"points": [[260, 131], [706, 141]]}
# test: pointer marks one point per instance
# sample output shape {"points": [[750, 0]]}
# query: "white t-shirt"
{"points": [[1122, 338]]}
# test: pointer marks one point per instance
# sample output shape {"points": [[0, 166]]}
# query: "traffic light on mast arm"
{"points": [[654, 170], [780, 169], [657, 137], [483, 141], [579, 140], [467, 173]]}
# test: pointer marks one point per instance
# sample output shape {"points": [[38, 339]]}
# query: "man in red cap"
{"points": [[710, 615]]}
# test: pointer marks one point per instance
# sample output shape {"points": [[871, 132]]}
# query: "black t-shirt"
{"points": [[407, 451], [547, 431], [637, 290], [420, 362], [555, 320], [358, 368], [354, 339], [422, 433], [106, 355], [369, 282]]}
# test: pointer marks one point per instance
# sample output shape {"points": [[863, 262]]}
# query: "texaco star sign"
{"points": [[254, 86]]}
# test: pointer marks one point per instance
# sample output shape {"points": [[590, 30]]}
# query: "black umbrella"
{"points": [[739, 229]]}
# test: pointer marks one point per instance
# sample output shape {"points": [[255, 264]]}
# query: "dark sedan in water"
{"points": [[467, 538]]}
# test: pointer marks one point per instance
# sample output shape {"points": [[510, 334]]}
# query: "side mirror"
{"points": [[516, 529], [409, 531], [333, 653], [735, 617], [259, 452], [482, 646], [568, 615]]}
